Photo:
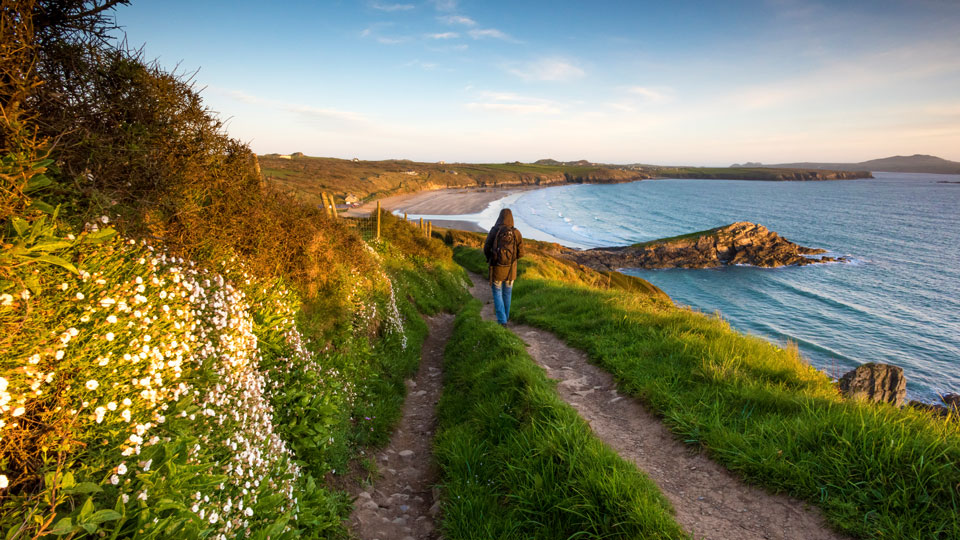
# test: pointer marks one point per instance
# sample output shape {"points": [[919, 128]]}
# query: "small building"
{"points": [[356, 160], [350, 198]]}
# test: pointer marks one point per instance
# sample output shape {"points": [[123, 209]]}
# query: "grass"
{"points": [[708, 232], [516, 462], [762, 411]]}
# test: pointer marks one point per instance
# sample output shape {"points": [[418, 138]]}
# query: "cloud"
{"points": [[843, 80], [515, 103], [392, 7], [429, 66], [519, 108], [548, 69], [444, 35], [327, 118], [650, 95], [376, 31], [445, 5], [490, 33], [458, 19], [326, 115]]}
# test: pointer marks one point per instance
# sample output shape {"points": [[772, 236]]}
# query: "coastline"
{"points": [[446, 201]]}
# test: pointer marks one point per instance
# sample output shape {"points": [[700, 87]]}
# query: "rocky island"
{"points": [[738, 243]]}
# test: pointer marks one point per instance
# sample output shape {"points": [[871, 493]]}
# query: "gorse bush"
{"points": [[199, 383]]}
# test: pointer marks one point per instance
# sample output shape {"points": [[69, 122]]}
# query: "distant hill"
{"points": [[580, 163], [917, 163]]}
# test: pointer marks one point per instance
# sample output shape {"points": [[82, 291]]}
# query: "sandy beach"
{"points": [[453, 202]]}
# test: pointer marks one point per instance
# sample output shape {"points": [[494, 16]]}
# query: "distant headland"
{"points": [[917, 163], [354, 180], [741, 243]]}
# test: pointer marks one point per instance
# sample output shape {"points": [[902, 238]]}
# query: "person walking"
{"points": [[503, 247]]}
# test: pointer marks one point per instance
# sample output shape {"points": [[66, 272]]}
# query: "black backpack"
{"points": [[504, 247]]}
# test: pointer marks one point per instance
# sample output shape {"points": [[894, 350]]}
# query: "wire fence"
{"points": [[369, 227]]}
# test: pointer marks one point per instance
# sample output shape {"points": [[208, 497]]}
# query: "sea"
{"points": [[896, 301]]}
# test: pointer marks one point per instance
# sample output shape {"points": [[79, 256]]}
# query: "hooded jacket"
{"points": [[502, 273]]}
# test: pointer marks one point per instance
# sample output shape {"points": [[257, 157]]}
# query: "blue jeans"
{"points": [[501, 299]]}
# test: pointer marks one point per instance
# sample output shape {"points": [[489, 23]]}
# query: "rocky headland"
{"points": [[741, 243]]}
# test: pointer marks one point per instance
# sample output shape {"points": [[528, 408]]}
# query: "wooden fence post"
{"points": [[429, 229], [378, 220], [421, 224], [333, 207], [326, 205]]}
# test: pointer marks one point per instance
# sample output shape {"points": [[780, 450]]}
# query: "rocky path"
{"points": [[400, 504], [710, 502]]}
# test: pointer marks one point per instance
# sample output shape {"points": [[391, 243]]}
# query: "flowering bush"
{"points": [[136, 397]]}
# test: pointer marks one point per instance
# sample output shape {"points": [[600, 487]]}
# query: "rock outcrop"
{"points": [[739, 243], [952, 400], [881, 383]]}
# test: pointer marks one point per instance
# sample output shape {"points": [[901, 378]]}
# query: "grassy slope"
{"points": [[877, 471], [516, 462], [308, 176], [708, 232]]}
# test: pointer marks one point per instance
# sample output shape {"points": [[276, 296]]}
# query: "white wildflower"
{"points": [[109, 336], [92, 384], [6, 299], [79, 296], [112, 319], [114, 479], [3, 481], [18, 412]]}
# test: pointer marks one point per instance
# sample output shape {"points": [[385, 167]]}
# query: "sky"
{"points": [[678, 82]]}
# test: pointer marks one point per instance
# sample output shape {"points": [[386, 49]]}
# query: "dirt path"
{"points": [[710, 501], [400, 505]]}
